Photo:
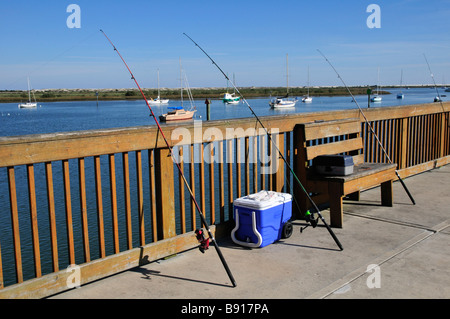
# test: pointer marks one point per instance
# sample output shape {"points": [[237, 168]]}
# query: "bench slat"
{"points": [[332, 128], [334, 148]]}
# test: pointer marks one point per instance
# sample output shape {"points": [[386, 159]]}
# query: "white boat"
{"points": [[277, 103], [178, 113], [158, 100], [29, 104], [307, 98], [283, 102], [377, 98]]}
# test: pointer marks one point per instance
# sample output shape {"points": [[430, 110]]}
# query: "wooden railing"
{"points": [[110, 200]]}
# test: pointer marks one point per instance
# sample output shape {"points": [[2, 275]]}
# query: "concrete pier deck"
{"points": [[407, 245]]}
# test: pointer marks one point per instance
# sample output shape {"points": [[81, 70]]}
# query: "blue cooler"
{"points": [[262, 218]]}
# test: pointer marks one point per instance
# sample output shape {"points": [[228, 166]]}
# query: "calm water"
{"points": [[75, 116]]}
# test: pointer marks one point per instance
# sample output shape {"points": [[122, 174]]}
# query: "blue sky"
{"points": [[247, 38]]}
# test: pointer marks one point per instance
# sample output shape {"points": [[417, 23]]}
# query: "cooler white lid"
{"points": [[263, 199]]}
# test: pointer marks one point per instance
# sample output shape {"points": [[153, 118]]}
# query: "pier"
{"points": [[143, 214]]}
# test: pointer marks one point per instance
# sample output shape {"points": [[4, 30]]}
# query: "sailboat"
{"points": [[400, 95], [158, 100], [284, 102], [377, 97], [29, 104], [307, 98], [178, 113], [231, 98]]}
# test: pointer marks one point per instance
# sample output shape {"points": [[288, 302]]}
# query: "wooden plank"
{"points": [[221, 183], [51, 215], [202, 179], [33, 219], [181, 190], [165, 193], [247, 165], [113, 192], [212, 204], [68, 204], [331, 128], [152, 181], [262, 154], [238, 168], [192, 185], [255, 164], [83, 206], [126, 185], [230, 177], [140, 197], [99, 198], [334, 148], [15, 223], [368, 181], [278, 176]]}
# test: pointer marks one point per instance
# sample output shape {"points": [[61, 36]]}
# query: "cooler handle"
{"points": [[255, 231]]}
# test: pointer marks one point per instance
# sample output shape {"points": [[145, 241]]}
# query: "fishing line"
{"points": [[435, 86], [370, 126], [310, 218], [211, 237], [434, 82]]}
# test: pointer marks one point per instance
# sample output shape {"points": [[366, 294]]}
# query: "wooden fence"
{"points": [[110, 200]]}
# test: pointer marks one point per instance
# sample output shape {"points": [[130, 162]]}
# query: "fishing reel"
{"points": [[309, 217], [204, 242]]}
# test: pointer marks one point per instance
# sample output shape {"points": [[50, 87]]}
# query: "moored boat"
{"points": [[277, 102], [29, 104], [177, 113], [230, 98]]}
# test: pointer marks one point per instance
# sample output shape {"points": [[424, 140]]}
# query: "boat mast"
{"points": [[287, 74], [29, 96], [308, 81], [158, 85], [181, 83]]}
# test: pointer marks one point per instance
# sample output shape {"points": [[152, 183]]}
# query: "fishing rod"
{"points": [[309, 215], [370, 126], [204, 245]]}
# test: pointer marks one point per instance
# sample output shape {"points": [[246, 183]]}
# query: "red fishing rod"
{"points": [[204, 245]]}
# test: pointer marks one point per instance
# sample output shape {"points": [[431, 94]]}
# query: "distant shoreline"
{"points": [[56, 95]]}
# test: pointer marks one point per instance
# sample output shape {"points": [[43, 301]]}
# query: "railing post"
{"points": [[298, 167], [442, 136], [165, 194], [404, 143], [278, 176]]}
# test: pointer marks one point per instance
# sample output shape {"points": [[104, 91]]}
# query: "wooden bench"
{"points": [[331, 138]]}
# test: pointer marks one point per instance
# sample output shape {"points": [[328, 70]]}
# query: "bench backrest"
{"points": [[330, 138]]}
